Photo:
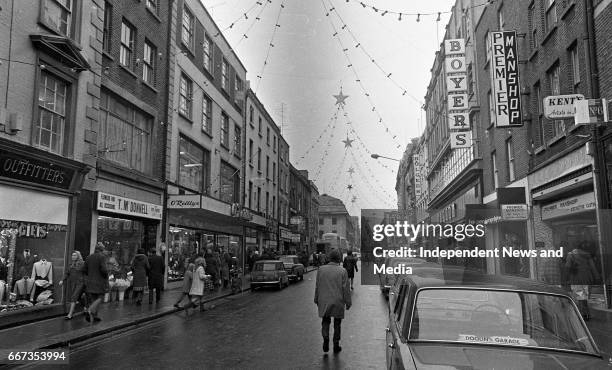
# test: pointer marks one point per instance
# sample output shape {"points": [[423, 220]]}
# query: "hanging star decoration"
{"points": [[351, 170], [354, 199], [340, 99], [348, 142], [350, 187]]}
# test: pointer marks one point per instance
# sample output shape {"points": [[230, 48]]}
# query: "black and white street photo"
{"points": [[306, 184]]}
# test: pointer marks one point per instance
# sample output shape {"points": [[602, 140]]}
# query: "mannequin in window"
{"points": [[21, 274], [3, 276], [42, 275]]}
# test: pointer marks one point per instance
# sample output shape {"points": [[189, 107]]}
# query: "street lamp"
{"points": [[376, 156]]}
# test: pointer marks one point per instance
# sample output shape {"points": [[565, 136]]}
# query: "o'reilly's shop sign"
{"points": [[126, 206]]}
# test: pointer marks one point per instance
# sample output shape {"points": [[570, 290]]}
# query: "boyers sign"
{"points": [[456, 82], [505, 79]]}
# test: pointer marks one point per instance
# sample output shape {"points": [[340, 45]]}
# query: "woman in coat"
{"points": [[197, 285], [187, 279], [140, 269], [75, 282], [582, 273]]}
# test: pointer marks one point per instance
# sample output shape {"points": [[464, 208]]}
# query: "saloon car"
{"points": [[269, 273], [386, 281], [474, 321], [293, 266]]}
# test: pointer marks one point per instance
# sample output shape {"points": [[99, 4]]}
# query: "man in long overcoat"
{"points": [[156, 275], [332, 295]]}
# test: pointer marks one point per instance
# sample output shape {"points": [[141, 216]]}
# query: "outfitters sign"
{"points": [[505, 79], [456, 83], [32, 170]]}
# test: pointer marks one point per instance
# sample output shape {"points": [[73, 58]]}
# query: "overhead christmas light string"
{"points": [[257, 18], [327, 147], [245, 15], [364, 177], [358, 79], [318, 140], [418, 15], [361, 47], [270, 46]]}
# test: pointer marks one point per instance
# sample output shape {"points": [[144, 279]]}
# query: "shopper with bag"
{"points": [[197, 285]]}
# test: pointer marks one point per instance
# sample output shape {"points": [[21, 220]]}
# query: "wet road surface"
{"points": [[267, 329]]}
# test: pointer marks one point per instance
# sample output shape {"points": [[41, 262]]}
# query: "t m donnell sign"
{"points": [[505, 79]]}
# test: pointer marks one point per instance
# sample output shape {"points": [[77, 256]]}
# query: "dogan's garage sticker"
{"points": [[493, 340]]}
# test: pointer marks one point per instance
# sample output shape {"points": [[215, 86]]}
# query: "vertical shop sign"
{"points": [[505, 79], [456, 84]]}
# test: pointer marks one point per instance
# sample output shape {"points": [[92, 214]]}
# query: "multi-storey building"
{"points": [[299, 209], [334, 218], [261, 178], [205, 140], [123, 209], [284, 173], [404, 181], [50, 74], [454, 174], [313, 220], [421, 188]]}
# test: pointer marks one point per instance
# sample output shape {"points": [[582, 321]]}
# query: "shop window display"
{"points": [[121, 239], [31, 255], [185, 244]]}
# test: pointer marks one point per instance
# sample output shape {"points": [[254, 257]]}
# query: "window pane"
{"points": [[190, 165], [57, 15], [229, 180]]}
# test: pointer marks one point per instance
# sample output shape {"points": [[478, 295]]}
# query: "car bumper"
{"points": [[255, 283]]}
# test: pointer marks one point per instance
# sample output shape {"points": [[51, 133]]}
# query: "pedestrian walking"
{"points": [[332, 295], [196, 292], [226, 262], [140, 269], [212, 266], [187, 279], [582, 273], [350, 265], [75, 283], [96, 281], [156, 276]]}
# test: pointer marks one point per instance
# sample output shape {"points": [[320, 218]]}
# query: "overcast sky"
{"points": [[307, 66]]}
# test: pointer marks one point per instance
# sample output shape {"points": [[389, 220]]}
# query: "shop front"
{"points": [[37, 193], [199, 225], [123, 226]]}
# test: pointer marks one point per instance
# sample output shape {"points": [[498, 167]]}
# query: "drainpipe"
{"points": [[598, 179]]}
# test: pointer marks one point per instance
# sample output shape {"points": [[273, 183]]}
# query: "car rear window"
{"points": [[266, 266], [500, 318]]}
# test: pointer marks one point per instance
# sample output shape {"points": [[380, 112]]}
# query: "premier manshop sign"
{"points": [[505, 79]]}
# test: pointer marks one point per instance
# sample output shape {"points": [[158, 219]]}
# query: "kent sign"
{"points": [[561, 106], [505, 79]]}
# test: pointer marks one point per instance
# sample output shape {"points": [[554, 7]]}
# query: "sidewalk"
{"points": [[57, 332]]}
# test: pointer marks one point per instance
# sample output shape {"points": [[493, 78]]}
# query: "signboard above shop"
{"points": [[569, 206], [505, 87], [126, 206], [514, 212], [591, 111], [561, 106]]}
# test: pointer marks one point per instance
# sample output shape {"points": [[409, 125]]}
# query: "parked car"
{"points": [[475, 321], [294, 268], [386, 281], [269, 273]]}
